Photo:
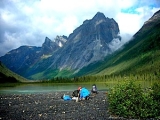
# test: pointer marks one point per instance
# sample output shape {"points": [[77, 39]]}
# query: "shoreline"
{"points": [[50, 106]]}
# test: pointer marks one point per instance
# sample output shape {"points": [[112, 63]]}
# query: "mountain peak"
{"points": [[155, 18], [99, 15], [156, 15], [47, 40], [60, 40]]}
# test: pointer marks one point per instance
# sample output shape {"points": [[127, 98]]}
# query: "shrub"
{"points": [[129, 101], [156, 92]]}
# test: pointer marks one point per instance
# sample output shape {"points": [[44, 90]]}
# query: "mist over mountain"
{"points": [[90, 42]]}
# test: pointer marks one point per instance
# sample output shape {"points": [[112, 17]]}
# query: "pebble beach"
{"points": [[50, 106]]}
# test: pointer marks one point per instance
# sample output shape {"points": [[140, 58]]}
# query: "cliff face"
{"points": [[88, 43]]}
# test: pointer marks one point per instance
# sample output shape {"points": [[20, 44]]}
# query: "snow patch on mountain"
{"points": [[60, 40]]}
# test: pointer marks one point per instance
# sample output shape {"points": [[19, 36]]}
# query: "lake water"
{"points": [[52, 87], [48, 87]]}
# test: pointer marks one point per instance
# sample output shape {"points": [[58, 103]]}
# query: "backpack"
{"points": [[75, 93], [94, 89], [66, 98]]}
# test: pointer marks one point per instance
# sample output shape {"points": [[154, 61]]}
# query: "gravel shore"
{"points": [[50, 106]]}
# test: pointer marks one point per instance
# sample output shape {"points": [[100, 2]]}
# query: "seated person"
{"points": [[94, 89], [84, 94], [75, 94]]}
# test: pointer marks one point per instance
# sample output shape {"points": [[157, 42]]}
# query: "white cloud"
{"points": [[127, 24], [29, 22]]}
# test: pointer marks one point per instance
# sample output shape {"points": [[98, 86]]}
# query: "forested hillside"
{"points": [[7, 76]]}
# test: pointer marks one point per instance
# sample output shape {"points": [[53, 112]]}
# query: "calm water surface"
{"points": [[50, 87]]}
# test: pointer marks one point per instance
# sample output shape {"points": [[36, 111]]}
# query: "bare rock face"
{"points": [[88, 43], [49, 46]]}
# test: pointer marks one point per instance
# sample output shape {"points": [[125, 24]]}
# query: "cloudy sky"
{"points": [[28, 22]]}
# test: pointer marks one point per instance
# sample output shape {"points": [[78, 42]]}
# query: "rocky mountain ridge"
{"points": [[87, 44]]}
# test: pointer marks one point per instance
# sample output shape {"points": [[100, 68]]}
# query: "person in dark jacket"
{"points": [[75, 94]]}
